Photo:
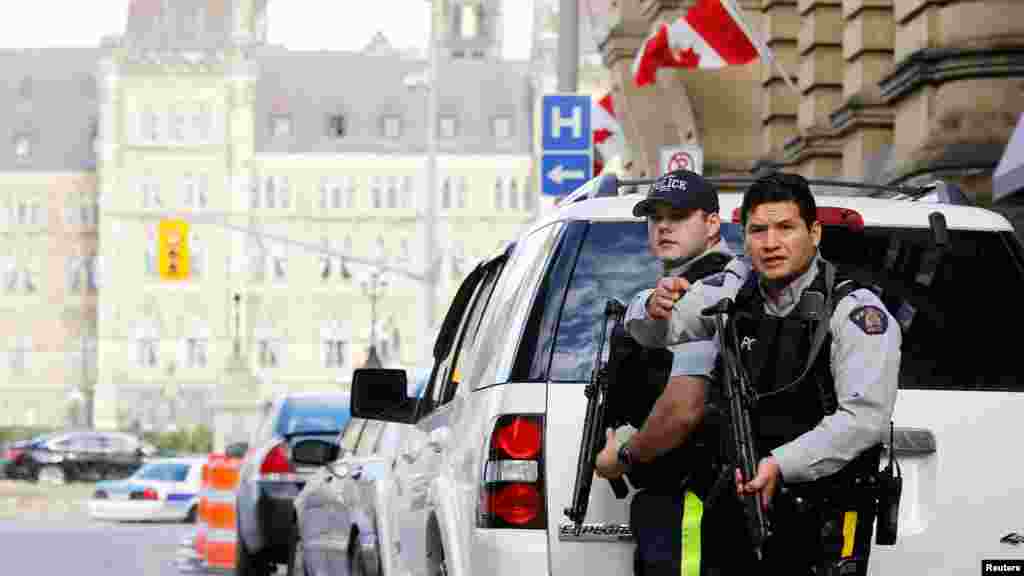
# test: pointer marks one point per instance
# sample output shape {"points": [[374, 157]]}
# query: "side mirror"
{"points": [[236, 450], [314, 452], [382, 394]]}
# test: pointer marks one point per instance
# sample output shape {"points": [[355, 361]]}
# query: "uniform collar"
{"points": [[786, 299], [678, 268]]}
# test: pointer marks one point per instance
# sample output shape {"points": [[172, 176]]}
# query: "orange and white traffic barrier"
{"points": [[199, 542], [221, 523]]}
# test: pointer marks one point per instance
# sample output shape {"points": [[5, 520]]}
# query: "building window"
{"points": [[25, 88], [74, 271], [147, 351], [254, 192], [22, 147], [19, 354], [257, 260], [447, 127], [392, 191], [10, 274], [470, 21], [335, 348], [502, 127], [268, 352], [92, 273], [150, 252], [177, 123], [188, 189], [350, 191], [280, 125], [30, 285], [403, 251], [392, 127], [337, 126], [279, 263], [202, 121], [197, 255], [446, 193], [513, 194], [461, 192], [376, 194], [196, 352], [149, 187], [407, 192], [499, 194], [284, 192], [325, 192], [269, 191], [380, 251]]}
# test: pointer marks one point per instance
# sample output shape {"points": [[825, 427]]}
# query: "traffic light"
{"points": [[173, 250]]}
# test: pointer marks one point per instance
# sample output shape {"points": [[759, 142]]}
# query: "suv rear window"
{"points": [[957, 310]]}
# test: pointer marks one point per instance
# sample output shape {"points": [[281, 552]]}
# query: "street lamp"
{"points": [[372, 287]]}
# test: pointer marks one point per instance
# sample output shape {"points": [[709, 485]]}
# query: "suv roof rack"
{"points": [[607, 185]]}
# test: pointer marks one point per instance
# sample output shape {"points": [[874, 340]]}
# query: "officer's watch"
{"points": [[625, 456]]}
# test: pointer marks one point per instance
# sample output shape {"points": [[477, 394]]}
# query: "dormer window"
{"points": [[448, 127], [502, 127], [336, 126], [22, 147], [25, 88], [392, 127], [280, 125]]}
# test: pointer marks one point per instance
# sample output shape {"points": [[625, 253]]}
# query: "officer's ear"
{"points": [[714, 223], [816, 233]]}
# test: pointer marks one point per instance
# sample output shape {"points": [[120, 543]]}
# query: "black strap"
{"points": [[707, 265]]}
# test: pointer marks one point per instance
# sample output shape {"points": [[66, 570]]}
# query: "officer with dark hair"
{"points": [[822, 353], [663, 459]]}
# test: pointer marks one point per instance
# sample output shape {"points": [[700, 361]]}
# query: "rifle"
{"points": [[740, 399], [596, 421]]}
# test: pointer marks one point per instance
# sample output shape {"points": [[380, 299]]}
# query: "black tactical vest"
{"points": [[774, 351], [641, 376]]}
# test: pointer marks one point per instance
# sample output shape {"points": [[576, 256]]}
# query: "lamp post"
{"points": [[372, 287]]}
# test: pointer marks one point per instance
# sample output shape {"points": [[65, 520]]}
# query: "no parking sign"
{"points": [[685, 157]]}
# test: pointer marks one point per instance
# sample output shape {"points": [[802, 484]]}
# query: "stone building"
{"points": [[890, 91]]}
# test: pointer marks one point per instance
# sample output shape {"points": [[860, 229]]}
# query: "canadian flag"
{"points": [[710, 35], [607, 132]]}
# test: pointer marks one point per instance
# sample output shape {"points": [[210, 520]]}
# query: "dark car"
{"points": [[79, 455], [269, 480]]}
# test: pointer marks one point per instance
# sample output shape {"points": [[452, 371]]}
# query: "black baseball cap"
{"points": [[680, 189]]}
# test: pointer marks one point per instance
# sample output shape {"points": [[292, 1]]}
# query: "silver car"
{"points": [[337, 527]]}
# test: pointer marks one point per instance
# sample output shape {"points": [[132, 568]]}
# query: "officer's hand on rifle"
{"points": [[607, 464], [765, 482], [665, 295]]}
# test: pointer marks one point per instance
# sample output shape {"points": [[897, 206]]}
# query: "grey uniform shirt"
{"points": [[864, 354], [697, 357]]}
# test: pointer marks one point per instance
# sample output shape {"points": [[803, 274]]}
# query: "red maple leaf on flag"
{"points": [[143, 8], [601, 135], [688, 58]]}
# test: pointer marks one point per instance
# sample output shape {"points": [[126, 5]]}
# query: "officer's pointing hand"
{"points": [[668, 290], [765, 482], [607, 463]]}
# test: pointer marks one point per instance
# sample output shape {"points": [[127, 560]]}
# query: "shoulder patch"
{"points": [[871, 319], [715, 280]]}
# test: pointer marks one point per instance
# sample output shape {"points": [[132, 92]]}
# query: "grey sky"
{"points": [[297, 24]]}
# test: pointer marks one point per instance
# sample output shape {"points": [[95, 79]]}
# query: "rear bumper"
{"points": [[135, 510]]}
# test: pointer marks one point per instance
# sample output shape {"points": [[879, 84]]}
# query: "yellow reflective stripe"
{"points": [[849, 531], [693, 509]]}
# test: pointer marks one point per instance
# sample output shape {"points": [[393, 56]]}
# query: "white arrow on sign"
{"points": [[559, 174]]}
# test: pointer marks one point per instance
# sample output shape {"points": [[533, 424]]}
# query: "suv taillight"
{"points": [[512, 488], [276, 464]]}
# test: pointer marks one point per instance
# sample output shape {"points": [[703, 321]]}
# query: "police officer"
{"points": [[823, 355], [660, 459]]}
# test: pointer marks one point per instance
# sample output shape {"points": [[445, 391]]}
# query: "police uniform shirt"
{"points": [[864, 354]]}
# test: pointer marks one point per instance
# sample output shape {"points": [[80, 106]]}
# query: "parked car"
{"points": [[269, 480], [497, 433], [336, 513], [14, 462], [162, 489], [79, 455]]}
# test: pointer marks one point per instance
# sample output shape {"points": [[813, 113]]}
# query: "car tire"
{"points": [[193, 514], [51, 474], [248, 564]]}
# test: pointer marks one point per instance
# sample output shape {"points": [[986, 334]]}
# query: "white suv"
{"points": [[490, 451]]}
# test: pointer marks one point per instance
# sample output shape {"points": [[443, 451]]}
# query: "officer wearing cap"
{"points": [[822, 353], [664, 459]]}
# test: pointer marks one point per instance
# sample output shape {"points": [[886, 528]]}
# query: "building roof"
{"points": [[311, 86], [49, 97], [178, 24]]}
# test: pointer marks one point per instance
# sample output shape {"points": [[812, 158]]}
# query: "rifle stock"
{"points": [[740, 399], [596, 422]]}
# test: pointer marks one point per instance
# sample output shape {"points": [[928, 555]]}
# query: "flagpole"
{"points": [[762, 48]]}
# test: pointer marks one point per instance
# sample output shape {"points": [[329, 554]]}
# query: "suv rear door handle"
{"points": [[913, 442]]}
